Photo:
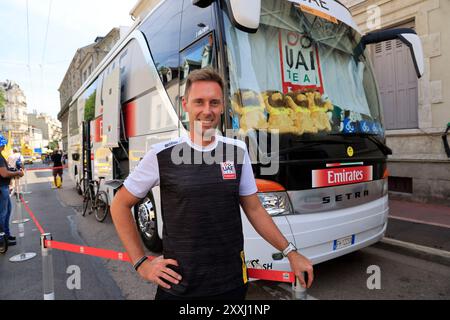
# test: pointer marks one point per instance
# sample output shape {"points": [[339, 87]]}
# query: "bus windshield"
{"points": [[299, 75]]}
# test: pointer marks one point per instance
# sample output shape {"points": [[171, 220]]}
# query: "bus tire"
{"points": [[78, 186], [146, 222]]}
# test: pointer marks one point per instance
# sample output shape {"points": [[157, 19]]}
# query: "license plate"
{"points": [[343, 242]]}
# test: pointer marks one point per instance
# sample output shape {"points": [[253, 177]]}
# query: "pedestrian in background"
{"points": [[14, 158], [5, 201], [15, 163], [57, 167]]}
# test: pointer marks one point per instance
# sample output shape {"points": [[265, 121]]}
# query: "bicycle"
{"points": [[95, 200]]}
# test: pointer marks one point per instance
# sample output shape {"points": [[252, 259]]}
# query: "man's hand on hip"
{"points": [[157, 269]]}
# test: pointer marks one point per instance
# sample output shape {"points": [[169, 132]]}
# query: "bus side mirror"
{"points": [[406, 35], [202, 3], [244, 15], [445, 140]]}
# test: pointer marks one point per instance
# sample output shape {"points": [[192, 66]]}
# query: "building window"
{"points": [[401, 184], [398, 84]]}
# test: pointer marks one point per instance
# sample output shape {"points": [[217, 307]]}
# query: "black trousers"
{"points": [[235, 294]]}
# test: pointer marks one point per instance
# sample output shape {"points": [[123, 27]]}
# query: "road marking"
{"points": [[420, 221], [413, 246]]}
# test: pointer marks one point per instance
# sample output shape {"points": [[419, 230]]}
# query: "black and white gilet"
{"points": [[202, 228]]}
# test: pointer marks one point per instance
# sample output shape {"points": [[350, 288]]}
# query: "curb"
{"points": [[415, 250]]}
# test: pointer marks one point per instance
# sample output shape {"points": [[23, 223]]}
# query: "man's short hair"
{"points": [[206, 74], [15, 150]]}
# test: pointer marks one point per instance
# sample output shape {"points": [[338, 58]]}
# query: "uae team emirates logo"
{"points": [[228, 170], [340, 176]]}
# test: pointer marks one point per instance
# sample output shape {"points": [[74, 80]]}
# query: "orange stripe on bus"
{"points": [[318, 13], [268, 186]]}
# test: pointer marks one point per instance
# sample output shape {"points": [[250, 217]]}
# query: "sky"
{"points": [[57, 28]]}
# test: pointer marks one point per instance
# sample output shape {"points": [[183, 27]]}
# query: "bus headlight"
{"points": [[276, 203]]}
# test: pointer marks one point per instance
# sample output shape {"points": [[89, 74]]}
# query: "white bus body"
{"points": [[260, 45]]}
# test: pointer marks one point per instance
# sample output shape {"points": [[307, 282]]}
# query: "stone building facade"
{"points": [[13, 117], [49, 127], [83, 64], [419, 166]]}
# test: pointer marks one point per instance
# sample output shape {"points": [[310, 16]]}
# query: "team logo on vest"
{"points": [[228, 170]]}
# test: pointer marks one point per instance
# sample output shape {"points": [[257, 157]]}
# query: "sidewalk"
{"points": [[418, 223], [431, 214]]}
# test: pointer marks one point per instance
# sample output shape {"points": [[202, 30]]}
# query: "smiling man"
{"points": [[203, 255]]}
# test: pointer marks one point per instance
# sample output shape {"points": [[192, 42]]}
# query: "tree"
{"points": [[89, 107], [53, 145]]}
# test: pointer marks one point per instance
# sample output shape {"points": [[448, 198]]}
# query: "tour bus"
{"points": [[300, 92]]}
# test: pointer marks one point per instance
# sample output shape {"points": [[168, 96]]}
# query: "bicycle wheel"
{"points": [[87, 204], [101, 206]]}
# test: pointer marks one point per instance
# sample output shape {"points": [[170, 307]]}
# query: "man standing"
{"points": [[5, 201], [14, 157], [203, 254], [15, 163], [57, 167]]}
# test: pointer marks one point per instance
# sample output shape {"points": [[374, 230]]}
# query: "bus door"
{"points": [[86, 154]]}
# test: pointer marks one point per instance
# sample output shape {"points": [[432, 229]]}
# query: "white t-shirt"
{"points": [[12, 159], [146, 174]]}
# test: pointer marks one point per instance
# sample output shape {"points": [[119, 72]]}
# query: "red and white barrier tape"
{"points": [[90, 251], [271, 275], [47, 168], [261, 274], [32, 216]]}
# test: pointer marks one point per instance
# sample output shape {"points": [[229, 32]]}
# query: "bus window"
{"points": [[73, 120], [168, 72], [162, 31], [198, 56], [89, 97], [124, 65], [195, 23]]}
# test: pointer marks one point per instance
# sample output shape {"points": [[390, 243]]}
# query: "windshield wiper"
{"points": [[380, 144]]}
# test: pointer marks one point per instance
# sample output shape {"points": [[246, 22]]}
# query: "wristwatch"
{"points": [[291, 247]]}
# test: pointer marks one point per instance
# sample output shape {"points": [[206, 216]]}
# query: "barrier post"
{"points": [[47, 268], [23, 256], [298, 292], [25, 191], [18, 209]]}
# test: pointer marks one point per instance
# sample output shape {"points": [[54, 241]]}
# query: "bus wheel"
{"points": [[78, 186], [145, 216]]}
